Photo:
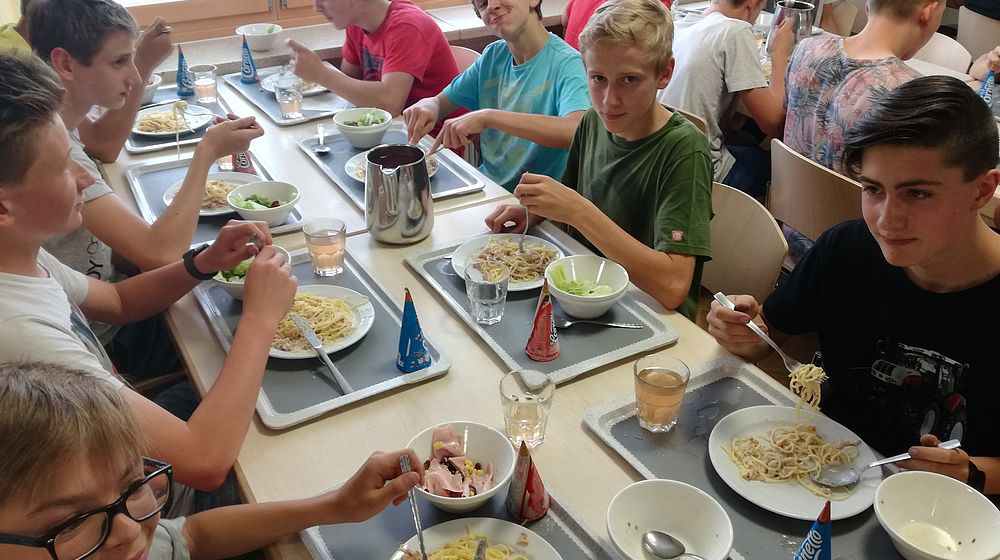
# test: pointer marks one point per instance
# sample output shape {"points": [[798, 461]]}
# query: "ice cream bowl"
{"points": [[684, 512], [483, 445], [234, 286], [930, 516], [577, 271]]}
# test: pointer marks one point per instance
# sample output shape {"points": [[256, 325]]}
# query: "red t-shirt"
{"points": [[407, 41], [578, 13]]}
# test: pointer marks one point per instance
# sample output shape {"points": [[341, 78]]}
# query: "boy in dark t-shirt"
{"points": [[904, 302]]}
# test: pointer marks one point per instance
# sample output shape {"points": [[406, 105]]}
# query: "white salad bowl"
{"points": [[260, 36], [273, 190], [591, 268], [362, 137], [235, 288]]}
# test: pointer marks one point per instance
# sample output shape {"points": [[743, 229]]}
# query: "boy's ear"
{"points": [[986, 187], [63, 63], [927, 11], [668, 72], [6, 217]]}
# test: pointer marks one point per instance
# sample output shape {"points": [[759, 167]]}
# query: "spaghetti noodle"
{"points": [[464, 548], [331, 318], [791, 455], [216, 191], [805, 382], [524, 267]]}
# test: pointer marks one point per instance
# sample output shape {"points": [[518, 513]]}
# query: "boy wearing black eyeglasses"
{"points": [[75, 484]]}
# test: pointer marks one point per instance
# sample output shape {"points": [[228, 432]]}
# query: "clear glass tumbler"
{"points": [[660, 383], [326, 239], [486, 286], [526, 397]]}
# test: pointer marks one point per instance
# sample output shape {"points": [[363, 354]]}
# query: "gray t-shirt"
{"points": [[169, 542], [717, 57], [80, 249]]}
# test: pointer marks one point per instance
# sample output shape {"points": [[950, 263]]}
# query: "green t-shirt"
{"points": [[658, 189]]}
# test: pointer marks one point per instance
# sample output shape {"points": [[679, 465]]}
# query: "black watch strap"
{"points": [[191, 268], [977, 478]]}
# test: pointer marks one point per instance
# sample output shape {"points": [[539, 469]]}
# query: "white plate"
{"points": [[789, 499], [497, 531], [463, 256], [364, 317], [267, 84], [355, 167], [194, 121], [228, 176]]}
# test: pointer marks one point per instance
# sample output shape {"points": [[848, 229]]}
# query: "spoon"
{"points": [[321, 148], [835, 476], [661, 545]]}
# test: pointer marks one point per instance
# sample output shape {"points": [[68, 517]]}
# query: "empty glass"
{"points": [[486, 286], [526, 397]]}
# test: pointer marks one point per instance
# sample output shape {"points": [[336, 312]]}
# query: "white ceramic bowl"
{"points": [[926, 513], [235, 289], [483, 445], [596, 269], [260, 36], [362, 137], [685, 512], [274, 190], [151, 86]]}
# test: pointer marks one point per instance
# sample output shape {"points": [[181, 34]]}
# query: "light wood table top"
{"points": [[309, 458]]}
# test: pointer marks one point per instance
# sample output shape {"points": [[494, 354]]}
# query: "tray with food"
{"points": [[154, 187], [358, 323], [733, 420], [171, 123], [317, 102], [390, 535], [345, 165], [583, 347]]}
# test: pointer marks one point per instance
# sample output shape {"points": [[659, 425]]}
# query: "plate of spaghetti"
{"points": [[767, 453], [168, 120], [355, 167], [340, 317], [217, 187], [527, 270], [457, 540]]}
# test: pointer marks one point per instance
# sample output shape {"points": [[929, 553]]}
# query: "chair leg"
{"points": [[149, 387]]}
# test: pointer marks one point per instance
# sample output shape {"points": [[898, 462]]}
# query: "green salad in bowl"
{"points": [[581, 287], [370, 117], [256, 202]]}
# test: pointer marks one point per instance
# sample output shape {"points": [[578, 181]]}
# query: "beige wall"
{"points": [[9, 11]]}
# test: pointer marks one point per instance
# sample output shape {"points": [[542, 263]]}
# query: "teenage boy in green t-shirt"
{"points": [[638, 184]]}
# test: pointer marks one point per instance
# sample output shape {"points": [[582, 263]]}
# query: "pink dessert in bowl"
{"points": [[449, 472]]}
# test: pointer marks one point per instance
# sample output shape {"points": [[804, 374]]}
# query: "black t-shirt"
{"points": [[988, 8], [901, 360]]}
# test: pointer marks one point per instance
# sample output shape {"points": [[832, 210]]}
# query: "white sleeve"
{"points": [[32, 339], [169, 542], [73, 282], [743, 70]]}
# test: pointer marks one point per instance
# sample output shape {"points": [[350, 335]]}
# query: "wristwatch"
{"points": [[191, 268], [977, 478]]}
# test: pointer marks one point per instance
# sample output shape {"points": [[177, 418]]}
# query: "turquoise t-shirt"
{"points": [[553, 82]]}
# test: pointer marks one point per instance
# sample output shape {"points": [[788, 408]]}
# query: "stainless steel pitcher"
{"points": [[398, 205], [802, 15]]}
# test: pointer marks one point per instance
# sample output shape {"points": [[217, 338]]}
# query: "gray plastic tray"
{"points": [[718, 388], [313, 106], [294, 391], [582, 347], [454, 177], [166, 95], [379, 537], [150, 182]]}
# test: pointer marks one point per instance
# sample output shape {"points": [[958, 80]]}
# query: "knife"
{"points": [[480, 550], [404, 466], [317, 345]]}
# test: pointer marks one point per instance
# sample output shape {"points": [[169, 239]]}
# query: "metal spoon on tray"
{"points": [[835, 476], [321, 148]]}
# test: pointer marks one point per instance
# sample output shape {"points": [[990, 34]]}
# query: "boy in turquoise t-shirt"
{"points": [[526, 94], [638, 185]]}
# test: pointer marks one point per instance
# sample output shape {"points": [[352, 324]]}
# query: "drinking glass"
{"points": [[526, 397], [486, 286], [326, 239], [203, 77], [288, 93], [660, 382]]}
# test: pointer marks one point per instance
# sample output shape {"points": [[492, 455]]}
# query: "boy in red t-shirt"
{"points": [[394, 54], [576, 16]]}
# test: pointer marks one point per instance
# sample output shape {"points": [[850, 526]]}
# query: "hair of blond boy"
{"points": [[642, 24], [897, 9], [30, 96], [78, 26], [51, 416]]}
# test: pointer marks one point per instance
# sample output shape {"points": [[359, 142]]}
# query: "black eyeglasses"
{"points": [[81, 536]]}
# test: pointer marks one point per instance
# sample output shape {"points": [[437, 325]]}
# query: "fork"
{"points": [[563, 323], [791, 364], [527, 216]]}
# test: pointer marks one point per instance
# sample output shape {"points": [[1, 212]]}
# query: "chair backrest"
{"points": [[947, 52], [842, 22], [979, 34], [807, 196], [695, 120], [747, 245], [464, 57]]}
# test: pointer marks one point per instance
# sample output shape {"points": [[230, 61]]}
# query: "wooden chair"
{"points": [[807, 196], [695, 120], [977, 33], [947, 52], [841, 21], [464, 57], [747, 245]]}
